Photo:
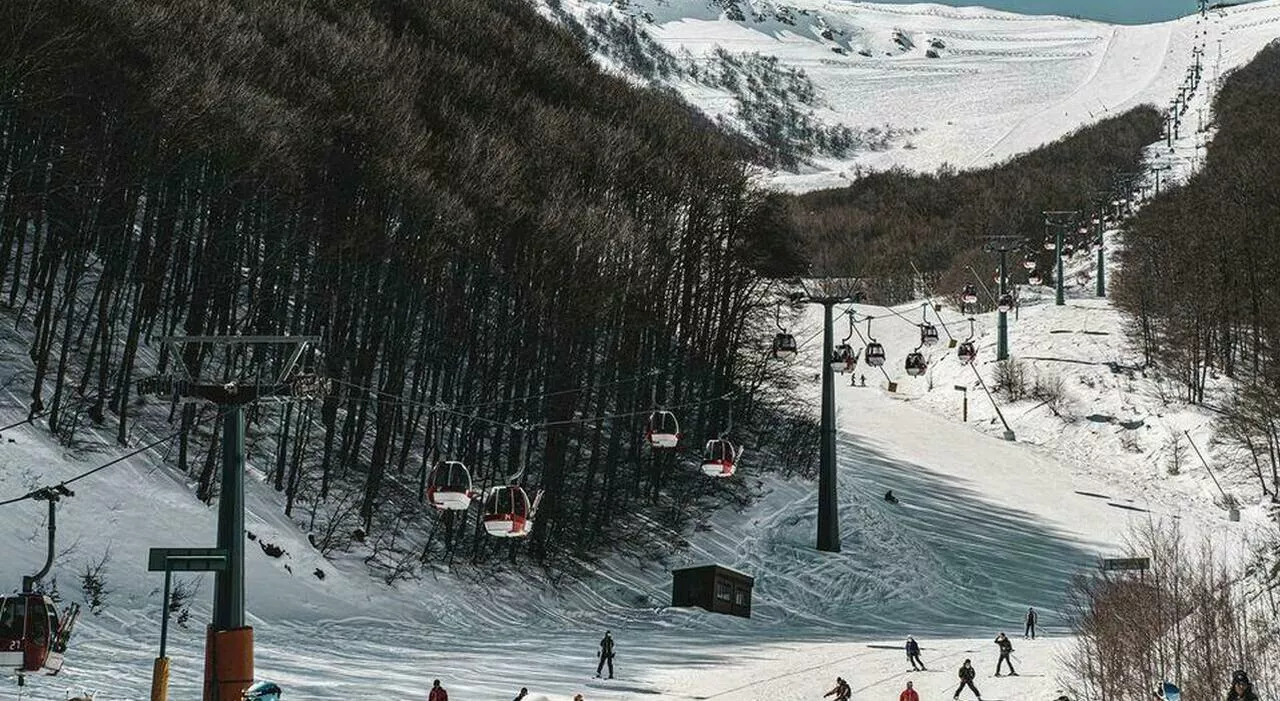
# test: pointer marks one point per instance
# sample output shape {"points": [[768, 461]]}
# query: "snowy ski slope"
{"points": [[985, 529], [1002, 83]]}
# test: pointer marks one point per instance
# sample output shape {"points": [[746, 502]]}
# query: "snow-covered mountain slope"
{"points": [[917, 86], [984, 529]]}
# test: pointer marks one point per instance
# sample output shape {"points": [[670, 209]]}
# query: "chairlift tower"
{"points": [[828, 505], [1003, 245], [1102, 200], [229, 643], [1059, 221], [1157, 170]]}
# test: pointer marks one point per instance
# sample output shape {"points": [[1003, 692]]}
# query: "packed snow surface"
{"points": [[969, 86], [984, 529]]}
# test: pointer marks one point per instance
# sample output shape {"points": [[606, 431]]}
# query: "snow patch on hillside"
{"points": [[969, 87]]}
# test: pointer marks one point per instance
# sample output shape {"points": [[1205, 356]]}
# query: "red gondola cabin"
{"points": [[31, 637]]}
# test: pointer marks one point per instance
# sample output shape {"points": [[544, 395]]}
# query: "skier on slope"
{"points": [[842, 692], [1006, 649], [606, 654], [913, 655], [437, 692], [967, 673], [1031, 624], [1241, 687], [523, 693], [909, 694]]}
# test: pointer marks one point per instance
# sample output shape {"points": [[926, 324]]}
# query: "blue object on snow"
{"points": [[263, 691], [1171, 691]]}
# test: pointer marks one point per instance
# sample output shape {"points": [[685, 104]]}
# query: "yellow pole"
{"points": [[160, 680]]}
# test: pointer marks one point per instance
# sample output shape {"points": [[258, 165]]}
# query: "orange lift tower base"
{"points": [[228, 663]]}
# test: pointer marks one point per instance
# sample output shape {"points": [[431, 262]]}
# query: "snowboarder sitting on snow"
{"points": [[909, 694], [606, 654], [842, 692], [913, 654], [1241, 687], [889, 497], [1006, 649], [437, 692], [967, 673]]}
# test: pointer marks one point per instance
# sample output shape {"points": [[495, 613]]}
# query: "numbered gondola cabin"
{"points": [[714, 588]]}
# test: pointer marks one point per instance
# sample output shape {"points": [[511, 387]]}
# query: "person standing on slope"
{"points": [[913, 655], [1006, 649], [523, 693], [967, 673], [437, 692], [842, 692], [1031, 624], [1241, 687], [606, 654], [909, 694]]}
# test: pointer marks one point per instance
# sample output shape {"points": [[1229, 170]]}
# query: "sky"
{"points": [[1118, 11]]}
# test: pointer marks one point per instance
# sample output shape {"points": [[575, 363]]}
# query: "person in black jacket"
{"points": [[606, 654], [842, 691], [967, 673], [1031, 624], [913, 655], [1006, 649], [1241, 687]]}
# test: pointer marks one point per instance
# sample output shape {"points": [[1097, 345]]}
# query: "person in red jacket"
{"points": [[437, 692], [909, 694]]}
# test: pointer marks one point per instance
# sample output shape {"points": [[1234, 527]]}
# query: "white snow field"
{"points": [[985, 528], [1001, 84]]}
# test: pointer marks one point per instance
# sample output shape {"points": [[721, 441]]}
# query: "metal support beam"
{"points": [[1059, 221], [164, 614], [1002, 245], [1060, 294], [228, 595], [1102, 269], [828, 506], [1002, 318], [51, 495]]}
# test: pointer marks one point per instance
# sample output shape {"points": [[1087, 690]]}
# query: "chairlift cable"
{"points": [[27, 420], [114, 461], [456, 408], [530, 426], [929, 297], [638, 378], [983, 285]]}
